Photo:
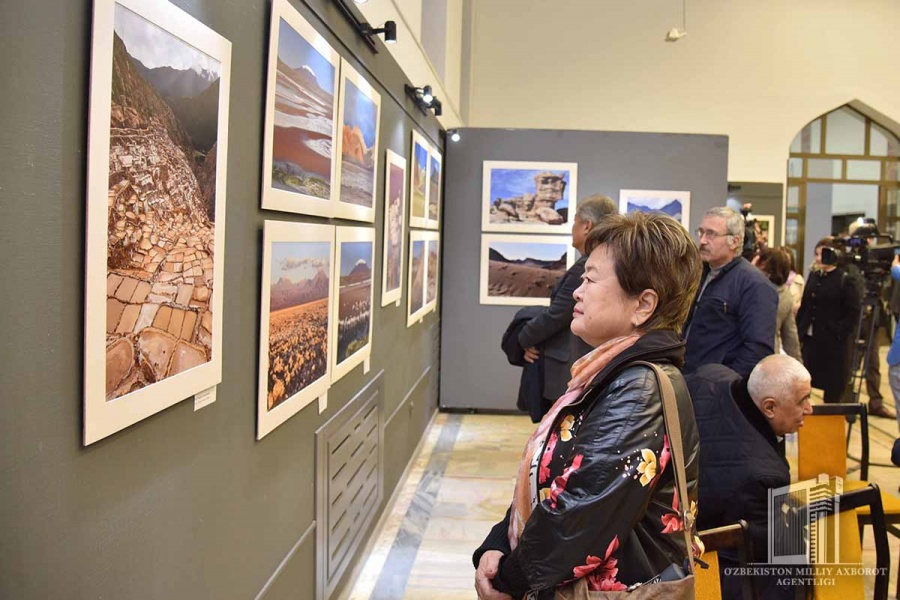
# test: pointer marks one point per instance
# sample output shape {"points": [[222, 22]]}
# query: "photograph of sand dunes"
{"points": [[522, 270], [353, 294], [528, 197], [295, 319], [394, 217], [674, 204], [299, 151], [359, 113], [156, 207], [416, 276], [419, 180]]}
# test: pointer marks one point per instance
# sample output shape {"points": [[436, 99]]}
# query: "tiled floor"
{"points": [[460, 485]]}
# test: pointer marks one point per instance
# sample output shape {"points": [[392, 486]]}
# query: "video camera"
{"points": [[750, 244], [871, 252]]}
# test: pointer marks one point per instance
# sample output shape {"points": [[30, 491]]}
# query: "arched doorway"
{"points": [[842, 165]]}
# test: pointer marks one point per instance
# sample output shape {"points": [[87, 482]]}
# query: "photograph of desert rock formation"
{"points": [[161, 207], [302, 141], [298, 317], [354, 298], [525, 269], [359, 134], [528, 196]]}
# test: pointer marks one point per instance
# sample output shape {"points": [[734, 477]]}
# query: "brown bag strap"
{"points": [[673, 428]]}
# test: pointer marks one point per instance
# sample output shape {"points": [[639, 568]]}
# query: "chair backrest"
{"points": [[842, 587], [821, 442], [729, 537]]}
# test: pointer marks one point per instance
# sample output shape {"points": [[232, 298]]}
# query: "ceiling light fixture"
{"points": [[365, 30], [453, 134], [675, 34], [389, 29]]}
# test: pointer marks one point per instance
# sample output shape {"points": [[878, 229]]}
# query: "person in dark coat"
{"points": [[742, 422], [732, 321], [548, 333], [827, 323], [595, 497]]}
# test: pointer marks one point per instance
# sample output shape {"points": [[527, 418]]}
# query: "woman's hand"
{"points": [[531, 354], [488, 567]]}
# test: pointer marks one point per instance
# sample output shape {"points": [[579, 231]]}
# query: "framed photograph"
{"points": [[394, 221], [299, 157], [419, 180], [765, 229], [351, 320], [522, 270], [432, 270], [295, 318], [434, 189], [417, 276], [674, 204], [528, 197], [157, 154], [360, 111]]}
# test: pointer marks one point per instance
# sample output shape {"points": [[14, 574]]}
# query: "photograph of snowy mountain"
{"points": [[674, 204], [301, 104]]}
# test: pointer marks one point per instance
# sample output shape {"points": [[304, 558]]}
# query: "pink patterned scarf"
{"points": [[583, 371]]}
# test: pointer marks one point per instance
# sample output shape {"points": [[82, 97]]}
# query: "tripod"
{"points": [[866, 327]]}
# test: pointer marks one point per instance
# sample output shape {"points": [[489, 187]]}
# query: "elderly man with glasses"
{"points": [[732, 320]]}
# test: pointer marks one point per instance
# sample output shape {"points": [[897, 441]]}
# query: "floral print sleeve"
{"points": [[595, 480]]}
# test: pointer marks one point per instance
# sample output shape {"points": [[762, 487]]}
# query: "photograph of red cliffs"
{"points": [[161, 210], [525, 270], [358, 137]]}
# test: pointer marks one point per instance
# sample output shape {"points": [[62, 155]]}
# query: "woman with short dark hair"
{"points": [[595, 497]]}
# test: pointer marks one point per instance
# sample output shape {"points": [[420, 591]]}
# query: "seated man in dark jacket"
{"points": [[742, 423]]}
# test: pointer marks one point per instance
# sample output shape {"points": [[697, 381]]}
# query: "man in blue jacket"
{"points": [[732, 321]]}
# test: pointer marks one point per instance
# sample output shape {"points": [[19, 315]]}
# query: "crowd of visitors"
{"points": [[694, 359]]}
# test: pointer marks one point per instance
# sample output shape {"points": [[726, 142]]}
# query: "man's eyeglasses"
{"points": [[709, 234]]}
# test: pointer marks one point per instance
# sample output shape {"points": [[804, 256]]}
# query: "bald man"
{"points": [[742, 424]]}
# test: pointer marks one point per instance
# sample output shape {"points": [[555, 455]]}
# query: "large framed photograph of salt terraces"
{"points": [[528, 197], [299, 149], [157, 154], [295, 345]]}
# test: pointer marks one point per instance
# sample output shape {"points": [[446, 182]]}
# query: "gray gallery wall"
{"points": [[607, 162], [183, 504]]}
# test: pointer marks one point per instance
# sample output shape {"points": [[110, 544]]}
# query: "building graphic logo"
{"points": [[800, 532]]}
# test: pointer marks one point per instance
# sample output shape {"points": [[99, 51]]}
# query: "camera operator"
{"points": [[751, 246], [827, 322], [866, 252]]}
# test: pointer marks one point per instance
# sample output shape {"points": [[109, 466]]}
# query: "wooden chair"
{"points": [[729, 537], [843, 587], [821, 448]]}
